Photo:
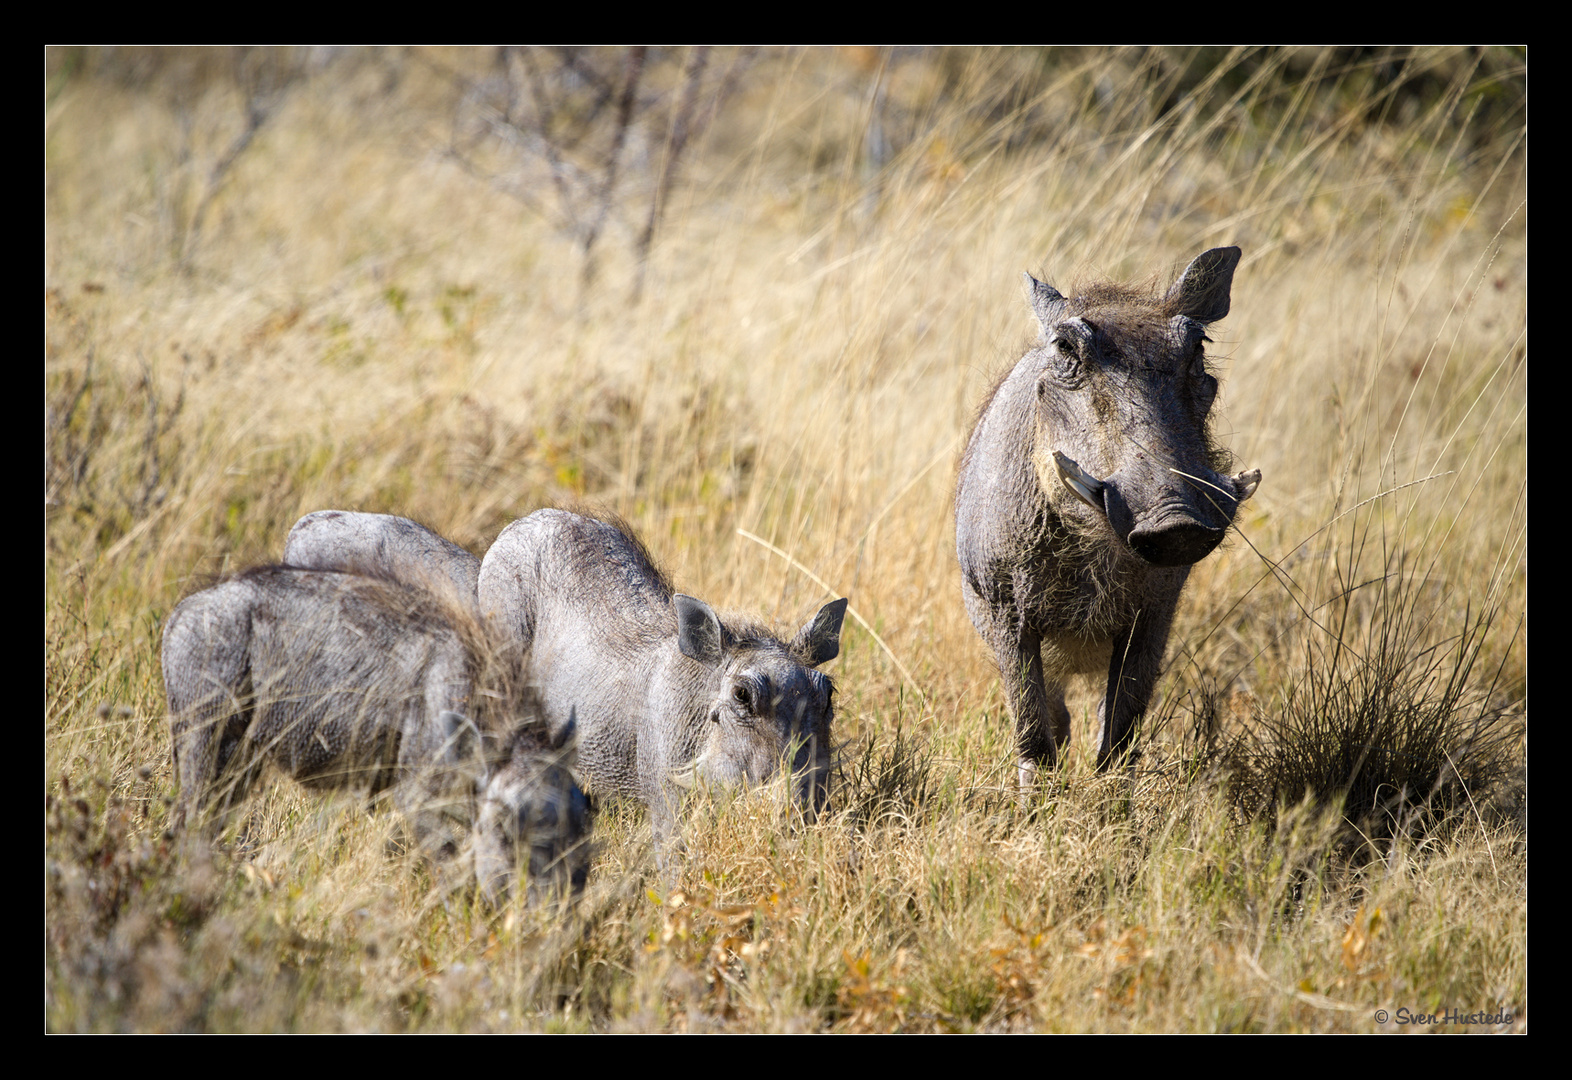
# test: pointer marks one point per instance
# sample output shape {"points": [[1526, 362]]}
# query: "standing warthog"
{"points": [[381, 545], [665, 693], [1089, 487], [344, 681]]}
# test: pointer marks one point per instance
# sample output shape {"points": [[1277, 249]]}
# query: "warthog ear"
{"points": [[698, 630], [1047, 303], [1202, 291], [820, 639]]}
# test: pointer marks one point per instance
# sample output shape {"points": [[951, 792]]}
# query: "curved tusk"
{"points": [[1245, 483], [1083, 486]]}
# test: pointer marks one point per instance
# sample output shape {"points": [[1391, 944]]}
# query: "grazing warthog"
{"points": [[1089, 487], [345, 681], [665, 693], [532, 818], [381, 545]]}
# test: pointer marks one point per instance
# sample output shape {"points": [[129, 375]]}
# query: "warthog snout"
{"points": [[1181, 529], [534, 821], [761, 734], [810, 771]]}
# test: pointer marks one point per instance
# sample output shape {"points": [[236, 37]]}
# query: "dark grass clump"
{"points": [[893, 779], [1405, 733]]}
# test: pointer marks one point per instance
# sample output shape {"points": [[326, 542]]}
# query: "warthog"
{"points": [[381, 545], [345, 681], [1090, 485], [665, 693], [533, 818]]}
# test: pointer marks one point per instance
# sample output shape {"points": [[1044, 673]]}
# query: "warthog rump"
{"points": [[384, 546], [1089, 486], [665, 693], [345, 681]]}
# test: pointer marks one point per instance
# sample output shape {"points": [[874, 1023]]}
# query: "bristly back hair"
{"points": [[607, 516], [495, 670], [741, 630]]}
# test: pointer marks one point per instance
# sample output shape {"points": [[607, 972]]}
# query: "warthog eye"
{"points": [[740, 695], [1066, 363]]}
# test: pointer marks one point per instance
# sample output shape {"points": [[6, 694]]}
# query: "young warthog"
{"points": [[533, 819], [381, 545], [349, 681], [1089, 487], [665, 693]]}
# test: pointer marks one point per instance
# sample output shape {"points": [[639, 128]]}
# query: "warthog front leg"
{"points": [[1132, 672], [1042, 723], [214, 766]]}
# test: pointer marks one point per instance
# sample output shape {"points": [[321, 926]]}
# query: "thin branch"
{"points": [[630, 85], [676, 141]]}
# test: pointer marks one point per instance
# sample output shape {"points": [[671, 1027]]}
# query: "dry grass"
{"points": [[347, 303]]}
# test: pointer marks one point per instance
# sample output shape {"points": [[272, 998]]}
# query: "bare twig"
{"points": [[630, 84], [266, 82], [676, 141]]}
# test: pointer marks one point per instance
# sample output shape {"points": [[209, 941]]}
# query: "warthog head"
{"points": [[768, 707], [533, 821], [1123, 400]]}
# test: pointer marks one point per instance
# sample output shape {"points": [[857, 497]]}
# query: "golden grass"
{"points": [[348, 318]]}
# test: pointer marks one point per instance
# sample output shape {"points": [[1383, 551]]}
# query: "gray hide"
{"points": [[1089, 487], [344, 681], [533, 820], [665, 693], [381, 545]]}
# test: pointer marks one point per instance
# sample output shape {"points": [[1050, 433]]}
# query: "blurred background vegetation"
{"points": [[750, 299]]}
